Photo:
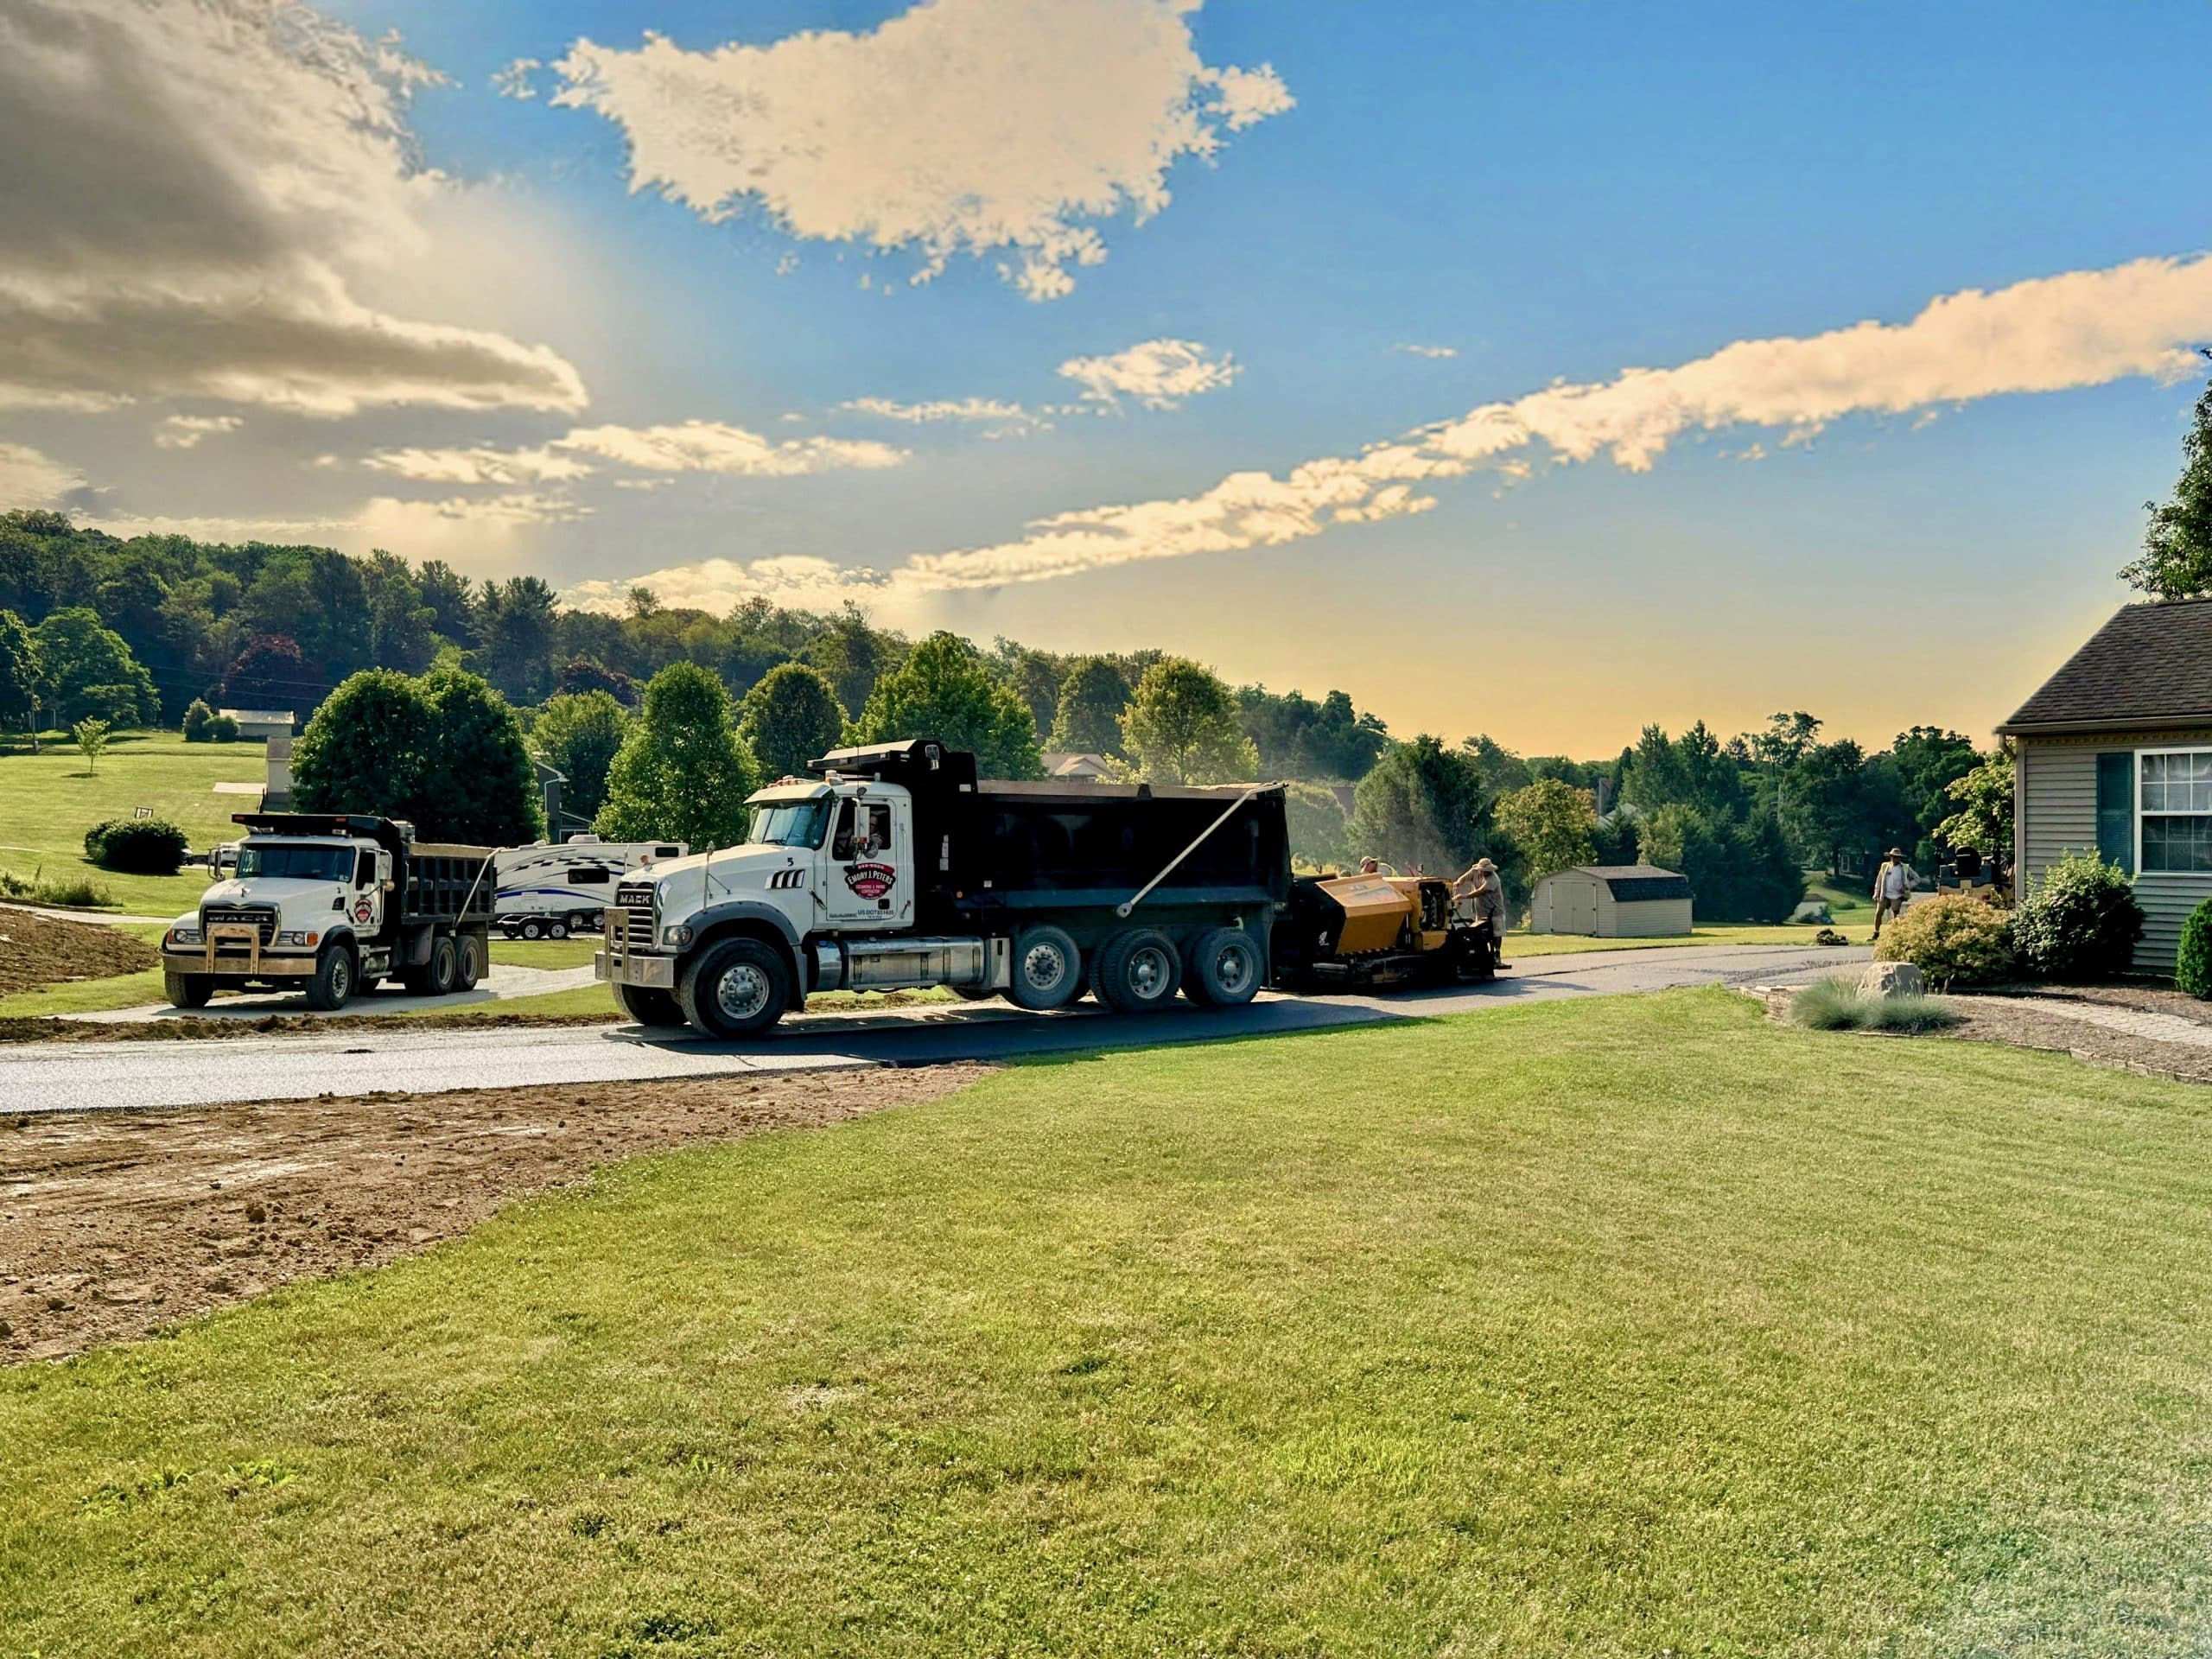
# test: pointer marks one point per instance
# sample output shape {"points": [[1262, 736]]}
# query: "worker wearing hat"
{"points": [[1483, 890], [1893, 885]]}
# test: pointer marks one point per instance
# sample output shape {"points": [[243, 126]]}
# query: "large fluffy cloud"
{"points": [[190, 189], [980, 126], [2052, 333], [29, 479]]}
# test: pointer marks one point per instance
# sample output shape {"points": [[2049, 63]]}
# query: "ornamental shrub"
{"points": [[1838, 1004], [2080, 921], [1955, 939], [2193, 967], [135, 846], [224, 728], [198, 717]]}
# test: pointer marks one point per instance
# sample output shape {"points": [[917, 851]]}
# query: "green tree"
{"points": [[91, 738], [89, 671], [2177, 562], [365, 749], [852, 656], [579, 733], [1317, 824], [1981, 802], [19, 668], [1091, 701], [682, 775], [1551, 823], [1740, 869], [945, 690], [1928, 760], [790, 717], [479, 785], [198, 717], [1182, 728], [1422, 807]]}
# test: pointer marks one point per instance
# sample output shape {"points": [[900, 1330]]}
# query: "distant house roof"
{"points": [[1630, 883], [2150, 665], [260, 716], [1063, 765]]}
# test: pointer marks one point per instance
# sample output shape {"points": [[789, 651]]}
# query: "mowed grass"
{"points": [[1625, 1326], [1519, 945], [48, 800]]}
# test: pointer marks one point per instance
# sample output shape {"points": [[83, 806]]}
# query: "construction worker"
{"points": [[1893, 885], [1373, 866], [1481, 889]]}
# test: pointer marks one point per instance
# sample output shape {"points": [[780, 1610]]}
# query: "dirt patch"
{"points": [[37, 949], [114, 1223], [46, 1029]]}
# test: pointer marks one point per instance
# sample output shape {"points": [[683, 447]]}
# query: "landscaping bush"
{"points": [[2080, 922], [198, 717], [1956, 938], [135, 846], [223, 729], [76, 892], [1838, 1004], [2193, 966]]}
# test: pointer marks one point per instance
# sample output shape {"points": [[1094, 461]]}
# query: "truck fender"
{"points": [[749, 916]]}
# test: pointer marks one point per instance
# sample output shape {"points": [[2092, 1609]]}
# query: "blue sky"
{"points": [[1551, 192]]}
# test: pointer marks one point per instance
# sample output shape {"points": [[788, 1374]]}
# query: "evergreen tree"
{"points": [[790, 717], [2177, 562], [1422, 807], [681, 775], [1182, 729], [945, 690]]}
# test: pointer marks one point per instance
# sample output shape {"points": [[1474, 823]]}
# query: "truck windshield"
{"points": [[790, 824], [292, 861]]}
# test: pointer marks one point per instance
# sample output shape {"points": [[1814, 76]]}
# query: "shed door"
{"points": [[1576, 902]]}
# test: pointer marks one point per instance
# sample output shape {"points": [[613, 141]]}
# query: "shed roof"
{"points": [[1633, 883], [2150, 665]]}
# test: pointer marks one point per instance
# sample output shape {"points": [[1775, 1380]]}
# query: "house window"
{"points": [[2116, 809], [2177, 811]]}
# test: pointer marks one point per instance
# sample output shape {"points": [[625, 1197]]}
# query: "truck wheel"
{"points": [[1224, 969], [647, 1006], [1139, 971], [1047, 969], [533, 929], [440, 973], [332, 987], [737, 989], [188, 990], [468, 963]]}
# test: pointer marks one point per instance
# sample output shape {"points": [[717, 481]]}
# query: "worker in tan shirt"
{"points": [[1482, 890], [1893, 885]]}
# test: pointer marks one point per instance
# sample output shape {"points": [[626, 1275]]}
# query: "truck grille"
{"points": [[634, 916], [264, 921]]}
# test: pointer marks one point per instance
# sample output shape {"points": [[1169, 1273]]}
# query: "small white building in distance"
{"points": [[1077, 768], [1612, 901]]}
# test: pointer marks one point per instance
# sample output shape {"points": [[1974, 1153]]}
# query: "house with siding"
{"points": [[2115, 755]]}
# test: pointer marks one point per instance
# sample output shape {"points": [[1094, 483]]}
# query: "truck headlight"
{"points": [[291, 939], [184, 935], [679, 936]]}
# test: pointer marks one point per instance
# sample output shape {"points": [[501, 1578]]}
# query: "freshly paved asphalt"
{"points": [[154, 1074]]}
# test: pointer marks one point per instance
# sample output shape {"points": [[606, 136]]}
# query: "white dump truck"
{"points": [[555, 889], [330, 903], [897, 867]]}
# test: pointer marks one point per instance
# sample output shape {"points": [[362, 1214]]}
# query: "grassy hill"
{"points": [[48, 800], [1629, 1326]]}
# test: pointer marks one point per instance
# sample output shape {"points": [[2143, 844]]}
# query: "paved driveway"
{"points": [[91, 1076]]}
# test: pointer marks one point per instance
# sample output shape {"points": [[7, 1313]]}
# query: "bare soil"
{"points": [[47, 1028], [37, 949], [112, 1224]]}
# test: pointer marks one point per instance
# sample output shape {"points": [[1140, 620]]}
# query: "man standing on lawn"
{"points": [[1893, 885]]}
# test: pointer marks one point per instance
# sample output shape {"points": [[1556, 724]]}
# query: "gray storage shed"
{"points": [[2114, 755], [1612, 901]]}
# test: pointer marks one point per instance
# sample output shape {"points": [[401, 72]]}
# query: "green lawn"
{"points": [[1519, 945], [48, 801], [1618, 1327]]}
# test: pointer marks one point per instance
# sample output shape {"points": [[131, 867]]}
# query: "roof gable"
{"points": [[2150, 665]]}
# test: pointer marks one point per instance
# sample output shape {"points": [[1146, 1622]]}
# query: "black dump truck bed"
{"points": [[986, 847], [434, 881]]}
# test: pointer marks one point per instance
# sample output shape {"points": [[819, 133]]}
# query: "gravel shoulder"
{"points": [[114, 1224]]}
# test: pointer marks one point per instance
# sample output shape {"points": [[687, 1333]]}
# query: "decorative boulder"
{"points": [[1892, 979]]}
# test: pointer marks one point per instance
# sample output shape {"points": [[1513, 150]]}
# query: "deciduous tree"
{"points": [[1088, 713], [945, 690], [1422, 807], [579, 733], [2177, 562], [791, 717], [681, 775], [1182, 728], [1551, 823]]}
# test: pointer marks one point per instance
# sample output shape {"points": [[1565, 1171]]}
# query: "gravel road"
{"points": [[138, 1076]]}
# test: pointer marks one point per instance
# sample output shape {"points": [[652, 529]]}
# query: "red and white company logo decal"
{"points": [[871, 880], [363, 910]]}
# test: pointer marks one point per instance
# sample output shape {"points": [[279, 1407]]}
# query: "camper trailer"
{"points": [[552, 890]]}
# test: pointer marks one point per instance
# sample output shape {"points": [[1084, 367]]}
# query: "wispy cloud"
{"points": [[964, 408], [1158, 374], [689, 447], [190, 431], [962, 126], [29, 479], [1411, 349], [2052, 333]]}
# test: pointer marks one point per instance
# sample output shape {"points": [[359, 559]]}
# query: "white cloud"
{"points": [[1158, 374], [964, 408], [191, 191], [2080, 329], [691, 447], [719, 584], [961, 126], [1413, 349], [475, 535], [514, 81], [189, 431], [29, 479]]}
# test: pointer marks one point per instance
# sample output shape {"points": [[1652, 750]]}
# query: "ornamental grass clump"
{"points": [[2080, 921], [1837, 1004], [1954, 938]]}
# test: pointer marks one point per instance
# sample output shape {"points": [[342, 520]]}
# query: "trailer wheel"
{"points": [[737, 989], [1047, 969], [332, 987], [1139, 971], [188, 990], [647, 1006], [468, 966], [557, 928], [533, 929], [1225, 970]]}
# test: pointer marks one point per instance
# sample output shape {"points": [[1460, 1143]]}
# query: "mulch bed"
{"points": [[37, 949]]}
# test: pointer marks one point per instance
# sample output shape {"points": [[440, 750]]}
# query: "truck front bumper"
{"points": [[236, 964], [628, 968]]}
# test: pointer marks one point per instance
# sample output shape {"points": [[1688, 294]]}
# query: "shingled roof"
{"points": [[2150, 665]]}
